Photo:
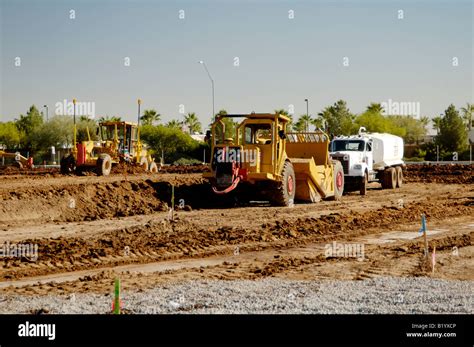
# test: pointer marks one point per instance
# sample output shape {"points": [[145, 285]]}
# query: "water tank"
{"points": [[387, 149]]}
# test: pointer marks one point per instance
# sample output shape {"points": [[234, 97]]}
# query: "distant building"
{"points": [[430, 136], [198, 137]]}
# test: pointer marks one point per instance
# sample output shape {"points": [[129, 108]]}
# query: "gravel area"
{"points": [[381, 295]]}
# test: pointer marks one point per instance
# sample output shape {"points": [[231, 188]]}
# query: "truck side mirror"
{"points": [[282, 134]]}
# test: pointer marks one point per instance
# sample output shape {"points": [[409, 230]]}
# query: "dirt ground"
{"points": [[90, 229]]}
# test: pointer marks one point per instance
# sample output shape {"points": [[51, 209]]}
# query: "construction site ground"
{"points": [[209, 256]]}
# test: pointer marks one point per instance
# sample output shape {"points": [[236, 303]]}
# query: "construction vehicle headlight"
{"points": [[357, 167]]}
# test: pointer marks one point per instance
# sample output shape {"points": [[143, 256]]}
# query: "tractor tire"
{"points": [[144, 163], [363, 184], [104, 165], [338, 178], [68, 165], [153, 167], [284, 192], [399, 172], [389, 178]]}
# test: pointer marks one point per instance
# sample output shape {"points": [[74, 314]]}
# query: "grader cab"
{"points": [[279, 165]]}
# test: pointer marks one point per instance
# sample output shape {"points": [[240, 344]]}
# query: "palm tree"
{"points": [[150, 116], [437, 123], [318, 123], [285, 113], [425, 121], [375, 107], [84, 118], [173, 124], [299, 126], [282, 112], [467, 114], [110, 119], [193, 123], [306, 120]]}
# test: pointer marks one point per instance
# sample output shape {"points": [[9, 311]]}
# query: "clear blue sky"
{"points": [[282, 60]]}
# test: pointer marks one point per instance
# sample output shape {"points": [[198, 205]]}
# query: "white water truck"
{"points": [[369, 157]]}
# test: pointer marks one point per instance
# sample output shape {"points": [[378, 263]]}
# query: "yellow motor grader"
{"points": [[119, 142], [280, 165]]}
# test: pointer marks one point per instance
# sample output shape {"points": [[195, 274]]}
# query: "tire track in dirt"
{"points": [[178, 239]]}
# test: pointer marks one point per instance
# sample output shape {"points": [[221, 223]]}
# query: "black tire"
{"points": [[153, 167], [284, 192], [338, 180], [389, 178], [363, 184], [399, 173], [104, 165], [68, 165]]}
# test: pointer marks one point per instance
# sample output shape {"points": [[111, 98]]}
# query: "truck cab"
{"points": [[355, 154], [369, 157]]}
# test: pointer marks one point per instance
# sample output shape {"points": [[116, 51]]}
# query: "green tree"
{"points": [[27, 125], [318, 123], [303, 123], [173, 142], [193, 123], [149, 117], [377, 123], [63, 129], [109, 119], [425, 121], [436, 123], [299, 126], [229, 126], [452, 131], [174, 124], [9, 135], [338, 119], [467, 113], [375, 107], [85, 125], [411, 129]]}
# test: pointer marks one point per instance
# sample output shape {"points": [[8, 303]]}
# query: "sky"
{"points": [[263, 55]]}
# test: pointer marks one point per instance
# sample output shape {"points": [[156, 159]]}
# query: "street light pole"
{"points": [[74, 149], [46, 106], [307, 113], [212, 84]]}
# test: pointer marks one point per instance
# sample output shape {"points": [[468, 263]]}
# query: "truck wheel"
{"points": [[363, 184], [68, 165], [399, 171], [104, 165], [389, 178], [284, 193], [338, 180], [153, 167], [144, 163]]}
